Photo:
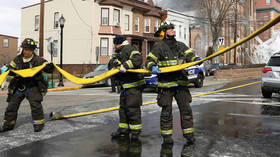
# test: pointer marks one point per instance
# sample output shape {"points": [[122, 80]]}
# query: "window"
{"points": [[104, 46], [185, 33], [56, 20], [5, 42], [55, 46], [104, 16], [156, 25], [116, 18], [180, 31], [137, 24], [267, 1], [147, 25], [126, 22], [36, 22]]}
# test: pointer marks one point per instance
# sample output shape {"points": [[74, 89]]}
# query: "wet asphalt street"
{"points": [[233, 123]]}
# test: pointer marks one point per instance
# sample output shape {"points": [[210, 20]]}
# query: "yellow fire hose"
{"points": [[55, 116], [31, 72]]}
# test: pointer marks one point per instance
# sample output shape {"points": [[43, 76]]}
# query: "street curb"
{"points": [[64, 88]]}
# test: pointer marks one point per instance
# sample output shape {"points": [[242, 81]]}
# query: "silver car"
{"points": [[271, 76], [100, 69]]}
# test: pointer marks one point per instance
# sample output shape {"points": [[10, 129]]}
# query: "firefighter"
{"points": [[169, 52], [31, 88], [131, 95]]}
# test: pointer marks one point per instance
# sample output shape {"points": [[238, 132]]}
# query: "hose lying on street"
{"points": [[32, 71]]}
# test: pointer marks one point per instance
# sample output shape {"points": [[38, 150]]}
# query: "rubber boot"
{"points": [[121, 132], [166, 150], [168, 139], [190, 139], [38, 127], [5, 128]]}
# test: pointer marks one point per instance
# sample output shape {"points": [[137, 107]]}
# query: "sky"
{"points": [[10, 16]]}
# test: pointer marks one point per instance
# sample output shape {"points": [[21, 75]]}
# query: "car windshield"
{"points": [[101, 67], [274, 61]]}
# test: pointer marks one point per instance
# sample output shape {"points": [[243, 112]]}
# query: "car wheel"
{"points": [[266, 93], [108, 82], [199, 81]]}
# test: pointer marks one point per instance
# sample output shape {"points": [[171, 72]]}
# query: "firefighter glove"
{"points": [[155, 70], [122, 69]]}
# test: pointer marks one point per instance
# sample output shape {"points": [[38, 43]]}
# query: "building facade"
{"points": [[8, 48], [267, 10], [90, 28]]}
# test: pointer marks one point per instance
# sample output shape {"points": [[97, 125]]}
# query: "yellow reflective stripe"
{"points": [[133, 53], [13, 64], [167, 84], [150, 64], [133, 84], [188, 51], [42, 121], [135, 127], [168, 63], [183, 82], [123, 125], [188, 131], [193, 58], [153, 57], [119, 62], [129, 63], [166, 132]]}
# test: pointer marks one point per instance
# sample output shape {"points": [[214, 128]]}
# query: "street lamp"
{"points": [[61, 21]]}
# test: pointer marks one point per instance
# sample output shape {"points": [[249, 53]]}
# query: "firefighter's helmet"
{"points": [[161, 32], [29, 43]]}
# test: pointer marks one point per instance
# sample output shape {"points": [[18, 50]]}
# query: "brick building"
{"points": [[8, 48], [267, 10]]}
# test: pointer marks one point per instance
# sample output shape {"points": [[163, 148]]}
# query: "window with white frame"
{"points": [[105, 16], [36, 22], [137, 24], [126, 22], [185, 33], [156, 25], [147, 25], [6, 43], [267, 1], [116, 18], [180, 31], [104, 43], [56, 20]]}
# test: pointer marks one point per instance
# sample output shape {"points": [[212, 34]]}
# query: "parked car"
{"points": [[100, 69], [214, 67], [196, 75], [271, 76], [207, 67]]}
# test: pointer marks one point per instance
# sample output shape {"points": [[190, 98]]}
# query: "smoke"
{"points": [[179, 5]]}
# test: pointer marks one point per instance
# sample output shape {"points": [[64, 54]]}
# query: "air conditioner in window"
{"points": [[117, 24]]}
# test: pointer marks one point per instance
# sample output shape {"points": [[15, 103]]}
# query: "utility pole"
{"points": [[41, 33], [235, 31]]}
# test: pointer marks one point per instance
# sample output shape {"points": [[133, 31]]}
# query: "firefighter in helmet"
{"points": [[127, 57], [31, 88], [170, 52]]}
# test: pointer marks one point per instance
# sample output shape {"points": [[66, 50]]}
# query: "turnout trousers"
{"points": [[130, 111], [183, 99], [34, 97]]}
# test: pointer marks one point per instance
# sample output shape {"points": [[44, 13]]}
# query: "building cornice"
{"points": [[267, 9], [8, 36]]}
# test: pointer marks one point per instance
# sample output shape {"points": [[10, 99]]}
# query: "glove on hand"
{"points": [[122, 69], [155, 70]]}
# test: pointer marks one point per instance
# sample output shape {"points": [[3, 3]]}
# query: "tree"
{"points": [[216, 12]]}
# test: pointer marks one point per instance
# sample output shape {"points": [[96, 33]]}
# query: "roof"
{"points": [[8, 36]]}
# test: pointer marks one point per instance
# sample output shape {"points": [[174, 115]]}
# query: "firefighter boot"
{"points": [[7, 126], [121, 132], [167, 139], [190, 138], [135, 135], [38, 127]]}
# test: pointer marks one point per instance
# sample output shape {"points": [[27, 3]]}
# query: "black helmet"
{"points": [[29, 43], [162, 29]]}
